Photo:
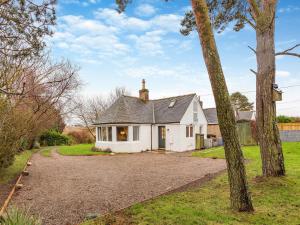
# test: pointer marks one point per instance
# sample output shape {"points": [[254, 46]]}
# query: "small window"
{"points": [[195, 115], [109, 130], [189, 131], [99, 133], [136, 133], [172, 103], [122, 133], [103, 134]]}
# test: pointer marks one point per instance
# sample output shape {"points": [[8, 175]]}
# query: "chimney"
{"points": [[144, 93]]}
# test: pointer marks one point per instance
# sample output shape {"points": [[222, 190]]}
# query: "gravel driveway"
{"points": [[64, 189]]}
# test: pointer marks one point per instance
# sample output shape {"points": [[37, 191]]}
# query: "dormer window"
{"points": [[172, 103]]}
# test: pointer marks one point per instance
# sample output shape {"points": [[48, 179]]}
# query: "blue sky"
{"points": [[120, 49]]}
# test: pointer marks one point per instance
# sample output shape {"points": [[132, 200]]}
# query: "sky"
{"points": [[114, 50]]}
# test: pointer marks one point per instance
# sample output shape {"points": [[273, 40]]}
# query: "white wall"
{"points": [[143, 144], [188, 143]]}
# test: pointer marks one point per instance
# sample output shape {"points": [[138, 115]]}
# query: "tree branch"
{"points": [[13, 93], [252, 49], [255, 8], [288, 51], [255, 73]]}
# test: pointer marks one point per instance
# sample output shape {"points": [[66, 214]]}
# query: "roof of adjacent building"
{"points": [[212, 118], [211, 115], [128, 109]]}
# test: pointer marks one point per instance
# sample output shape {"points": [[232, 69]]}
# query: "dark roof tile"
{"points": [[129, 109]]}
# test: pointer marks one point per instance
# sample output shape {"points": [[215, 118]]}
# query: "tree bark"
{"points": [[239, 195], [268, 134]]}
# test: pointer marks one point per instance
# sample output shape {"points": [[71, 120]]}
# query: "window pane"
{"points": [[103, 134], [109, 130], [191, 131], [195, 117], [99, 134], [187, 131], [136, 133], [122, 133]]}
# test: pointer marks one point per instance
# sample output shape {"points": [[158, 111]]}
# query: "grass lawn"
{"points": [[46, 152], [76, 150], [276, 200], [7, 174]]}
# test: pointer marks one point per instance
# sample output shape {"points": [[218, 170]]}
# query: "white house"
{"points": [[135, 124]]}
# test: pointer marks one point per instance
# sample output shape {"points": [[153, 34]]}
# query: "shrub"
{"points": [[19, 217], [81, 137], [51, 138], [10, 132], [285, 119]]}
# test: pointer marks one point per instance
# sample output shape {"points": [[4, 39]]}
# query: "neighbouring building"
{"points": [[135, 124], [245, 126]]}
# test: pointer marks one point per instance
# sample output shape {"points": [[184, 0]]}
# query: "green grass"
{"points": [[76, 150], [8, 174], [46, 152], [276, 200]]}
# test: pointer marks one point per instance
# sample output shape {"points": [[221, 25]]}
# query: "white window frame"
{"points": [[137, 137], [104, 130]]}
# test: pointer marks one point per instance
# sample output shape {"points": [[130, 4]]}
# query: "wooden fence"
{"points": [[288, 126]]}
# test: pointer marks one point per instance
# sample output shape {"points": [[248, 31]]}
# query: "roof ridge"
{"points": [[210, 108], [130, 96], [173, 97]]}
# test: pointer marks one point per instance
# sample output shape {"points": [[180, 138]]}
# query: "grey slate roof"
{"points": [[212, 118], [211, 115], [129, 109]]}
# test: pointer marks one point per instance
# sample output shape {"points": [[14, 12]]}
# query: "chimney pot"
{"points": [[144, 93]]}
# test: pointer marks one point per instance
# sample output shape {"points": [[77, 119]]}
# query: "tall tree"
{"points": [[240, 102], [23, 25], [261, 16], [239, 195]]}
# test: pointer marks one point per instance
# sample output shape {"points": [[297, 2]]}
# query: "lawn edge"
{"points": [[13, 190]]}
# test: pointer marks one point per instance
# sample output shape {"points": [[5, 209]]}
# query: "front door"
{"points": [[161, 137]]}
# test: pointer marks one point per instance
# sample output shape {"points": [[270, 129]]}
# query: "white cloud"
{"points": [[145, 10], [121, 20], [168, 22], [149, 43], [282, 73], [79, 2], [88, 37], [289, 9]]}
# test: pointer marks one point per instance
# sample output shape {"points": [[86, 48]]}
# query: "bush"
{"points": [[52, 138], [285, 119], [19, 217], [81, 137], [10, 130]]}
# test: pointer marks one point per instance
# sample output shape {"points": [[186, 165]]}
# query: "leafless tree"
{"points": [[89, 110]]}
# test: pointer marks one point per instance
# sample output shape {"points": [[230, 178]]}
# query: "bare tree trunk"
{"points": [[269, 139], [239, 195]]}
